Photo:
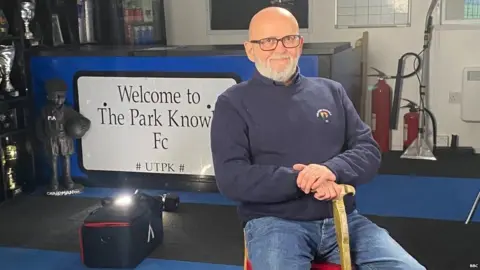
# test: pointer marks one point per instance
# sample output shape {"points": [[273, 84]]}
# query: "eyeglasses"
{"points": [[271, 43]]}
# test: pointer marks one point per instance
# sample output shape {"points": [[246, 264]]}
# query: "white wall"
{"points": [[452, 50]]}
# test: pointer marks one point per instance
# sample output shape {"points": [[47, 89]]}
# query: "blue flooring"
{"points": [[33, 259], [386, 195]]}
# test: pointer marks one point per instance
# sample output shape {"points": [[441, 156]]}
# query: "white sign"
{"points": [[153, 124]]}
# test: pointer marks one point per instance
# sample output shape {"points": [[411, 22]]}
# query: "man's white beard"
{"points": [[282, 76]]}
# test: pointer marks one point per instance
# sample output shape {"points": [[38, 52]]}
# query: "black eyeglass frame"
{"points": [[282, 39]]}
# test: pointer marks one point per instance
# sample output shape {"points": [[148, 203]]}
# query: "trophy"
{"points": [[7, 55], [3, 24], [9, 161], [27, 14], [7, 117]]}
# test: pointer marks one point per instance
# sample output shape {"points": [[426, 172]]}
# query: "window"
{"points": [[466, 12], [472, 9], [228, 15]]}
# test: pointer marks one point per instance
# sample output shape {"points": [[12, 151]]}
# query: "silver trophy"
{"points": [[27, 14], [7, 55]]}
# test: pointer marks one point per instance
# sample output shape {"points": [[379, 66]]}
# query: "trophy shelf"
{"points": [[16, 155], [17, 170], [9, 38], [14, 100], [13, 133]]}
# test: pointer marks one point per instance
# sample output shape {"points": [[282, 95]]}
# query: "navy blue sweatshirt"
{"points": [[261, 128]]}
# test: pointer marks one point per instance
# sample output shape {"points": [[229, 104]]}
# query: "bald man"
{"points": [[281, 145]]}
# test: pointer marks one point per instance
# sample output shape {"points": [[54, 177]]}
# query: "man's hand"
{"points": [[312, 176], [328, 191]]}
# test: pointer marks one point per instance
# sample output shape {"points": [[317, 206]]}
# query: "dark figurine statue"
{"points": [[57, 127]]}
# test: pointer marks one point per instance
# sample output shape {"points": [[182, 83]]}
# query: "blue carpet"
{"points": [[387, 195], [30, 259]]}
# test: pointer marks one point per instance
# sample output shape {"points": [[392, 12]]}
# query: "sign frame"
{"points": [[142, 74]]}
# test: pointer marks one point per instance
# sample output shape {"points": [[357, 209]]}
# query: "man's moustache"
{"points": [[280, 57]]}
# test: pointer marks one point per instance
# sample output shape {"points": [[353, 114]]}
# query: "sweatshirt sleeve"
{"points": [[237, 178], [360, 161]]}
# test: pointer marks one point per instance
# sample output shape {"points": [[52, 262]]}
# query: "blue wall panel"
{"points": [[45, 68], [407, 196]]}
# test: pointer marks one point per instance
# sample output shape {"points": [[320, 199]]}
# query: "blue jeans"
{"points": [[277, 244]]}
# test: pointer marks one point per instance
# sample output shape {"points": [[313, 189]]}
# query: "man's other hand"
{"points": [[327, 191], [312, 176]]}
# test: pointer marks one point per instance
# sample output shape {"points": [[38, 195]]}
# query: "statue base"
{"points": [[62, 191]]}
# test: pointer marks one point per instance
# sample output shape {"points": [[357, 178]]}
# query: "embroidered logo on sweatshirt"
{"points": [[324, 114]]}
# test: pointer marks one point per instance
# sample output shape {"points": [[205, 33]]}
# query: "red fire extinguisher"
{"points": [[381, 107], [411, 124]]}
